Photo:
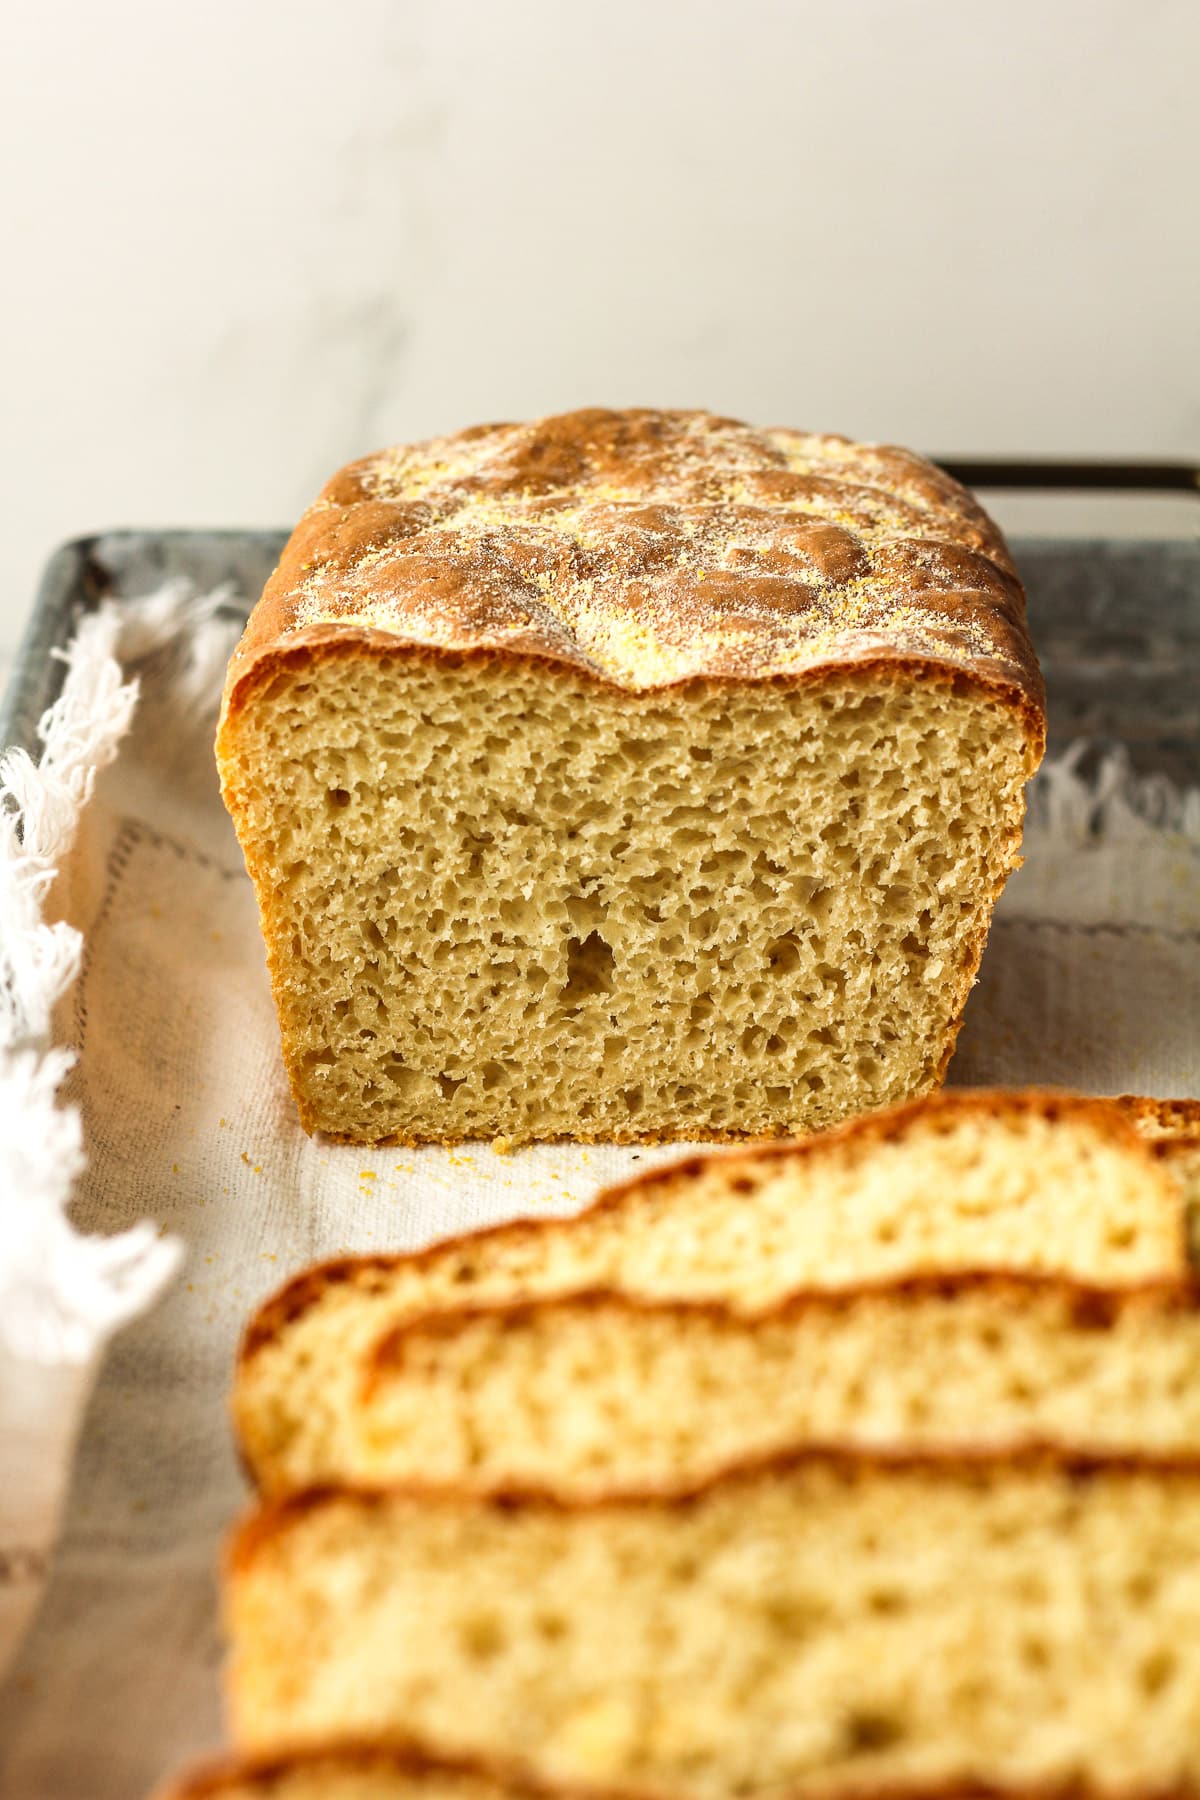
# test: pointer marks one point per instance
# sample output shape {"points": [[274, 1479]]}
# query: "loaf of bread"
{"points": [[822, 1623], [961, 1181], [376, 1770], [628, 775], [601, 1393]]}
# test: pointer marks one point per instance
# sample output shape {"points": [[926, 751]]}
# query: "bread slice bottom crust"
{"points": [[367, 1769]]}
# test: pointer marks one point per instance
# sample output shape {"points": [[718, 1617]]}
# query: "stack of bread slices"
{"points": [[871, 1461]]}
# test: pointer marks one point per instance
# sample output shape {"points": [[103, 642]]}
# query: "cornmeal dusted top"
{"points": [[648, 548]]}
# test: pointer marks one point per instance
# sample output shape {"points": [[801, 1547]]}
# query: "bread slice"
{"points": [[628, 775], [364, 1770], [823, 1623], [600, 1392], [1032, 1182]]}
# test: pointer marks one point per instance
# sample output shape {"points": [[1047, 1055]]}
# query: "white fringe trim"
{"points": [[1113, 803], [62, 1293]]}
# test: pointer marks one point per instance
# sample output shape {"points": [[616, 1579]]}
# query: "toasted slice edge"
{"points": [[366, 1769], [1124, 1118], [1029, 1180], [600, 1391]]}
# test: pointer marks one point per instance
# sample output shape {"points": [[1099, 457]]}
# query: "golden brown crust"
{"points": [[643, 549], [404, 1757], [1162, 1119], [273, 1517], [298, 1294], [1093, 1307], [214, 1779]]}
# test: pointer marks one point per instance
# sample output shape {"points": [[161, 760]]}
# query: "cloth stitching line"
{"points": [[141, 832], [116, 864], [131, 833], [1125, 928]]}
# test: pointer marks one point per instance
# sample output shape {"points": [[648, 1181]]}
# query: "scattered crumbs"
{"points": [[224, 1190], [174, 1168], [502, 1146], [191, 1287], [367, 1175], [245, 1159], [257, 1169], [222, 1121], [209, 1259], [269, 1256]]}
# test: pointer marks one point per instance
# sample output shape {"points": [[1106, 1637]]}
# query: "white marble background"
{"points": [[247, 239]]}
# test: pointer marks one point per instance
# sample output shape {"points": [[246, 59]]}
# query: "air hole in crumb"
{"points": [[783, 954], [338, 797], [590, 967], [482, 1637], [885, 1601], [868, 1730], [1156, 1671]]}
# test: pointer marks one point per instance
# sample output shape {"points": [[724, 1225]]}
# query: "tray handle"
{"points": [[1127, 477]]}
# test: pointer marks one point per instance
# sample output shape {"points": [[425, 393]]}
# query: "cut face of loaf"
{"points": [[628, 776], [1039, 1183], [506, 903], [600, 1393], [833, 1624]]}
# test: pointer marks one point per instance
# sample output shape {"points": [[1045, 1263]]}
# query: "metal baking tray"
{"points": [[1116, 623]]}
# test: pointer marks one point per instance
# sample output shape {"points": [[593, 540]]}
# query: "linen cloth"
{"points": [[1091, 980]]}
